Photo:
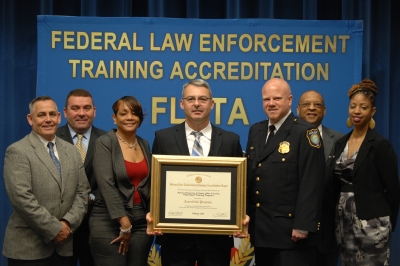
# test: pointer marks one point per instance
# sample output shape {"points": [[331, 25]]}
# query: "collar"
{"points": [[206, 131], [280, 122], [86, 135], [320, 131], [45, 141]]}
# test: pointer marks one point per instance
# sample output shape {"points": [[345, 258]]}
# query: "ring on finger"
{"points": [[122, 243]]}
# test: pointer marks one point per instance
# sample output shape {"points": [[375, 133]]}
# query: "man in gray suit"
{"points": [[80, 112], [48, 189], [312, 108]]}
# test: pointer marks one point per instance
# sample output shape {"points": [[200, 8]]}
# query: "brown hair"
{"points": [[366, 87], [78, 93], [133, 104]]}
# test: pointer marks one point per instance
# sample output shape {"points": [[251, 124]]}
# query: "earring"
{"points": [[371, 123], [349, 123]]}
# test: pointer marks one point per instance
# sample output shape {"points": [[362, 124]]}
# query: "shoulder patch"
{"points": [[314, 138]]}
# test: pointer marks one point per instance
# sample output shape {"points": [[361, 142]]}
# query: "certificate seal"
{"points": [[198, 179]]}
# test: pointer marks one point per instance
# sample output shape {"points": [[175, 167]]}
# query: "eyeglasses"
{"points": [[308, 104], [201, 99]]}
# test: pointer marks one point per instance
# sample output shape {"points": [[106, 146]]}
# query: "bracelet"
{"points": [[125, 231]]}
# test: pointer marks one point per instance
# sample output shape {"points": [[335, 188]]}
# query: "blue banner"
{"points": [[151, 58]]}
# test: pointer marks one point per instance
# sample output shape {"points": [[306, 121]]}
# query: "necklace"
{"points": [[129, 145]]}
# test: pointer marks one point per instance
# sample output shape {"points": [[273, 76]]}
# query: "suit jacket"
{"points": [[326, 235], [375, 177], [172, 141], [284, 187], [64, 133], [41, 198], [115, 188], [330, 136]]}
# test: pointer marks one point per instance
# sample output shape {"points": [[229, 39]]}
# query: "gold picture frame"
{"points": [[198, 195]]}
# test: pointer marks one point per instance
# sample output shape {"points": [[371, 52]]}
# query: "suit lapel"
{"points": [[65, 134], [180, 139], [364, 150], [90, 151], [216, 141], [280, 136], [64, 161], [328, 141], [261, 140], [44, 157]]}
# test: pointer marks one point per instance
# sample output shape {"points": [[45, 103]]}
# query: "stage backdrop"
{"points": [[151, 58]]}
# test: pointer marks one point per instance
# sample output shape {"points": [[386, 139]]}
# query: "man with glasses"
{"points": [[196, 137], [312, 108]]}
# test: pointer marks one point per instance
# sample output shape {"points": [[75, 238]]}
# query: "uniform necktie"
{"points": [[197, 149], [271, 134], [53, 156], [80, 147]]}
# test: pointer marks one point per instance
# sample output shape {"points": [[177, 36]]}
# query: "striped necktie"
{"points": [[53, 157], [197, 149], [80, 147]]}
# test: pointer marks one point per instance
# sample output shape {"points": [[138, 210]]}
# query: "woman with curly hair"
{"points": [[365, 184]]}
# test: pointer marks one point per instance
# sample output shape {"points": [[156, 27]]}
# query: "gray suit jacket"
{"points": [[329, 136], [41, 198], [116, 190]]}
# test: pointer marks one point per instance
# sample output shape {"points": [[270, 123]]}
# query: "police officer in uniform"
{"points": [[285, 171]]}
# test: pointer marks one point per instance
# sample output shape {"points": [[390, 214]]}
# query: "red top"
{"points": [[136, 173]]}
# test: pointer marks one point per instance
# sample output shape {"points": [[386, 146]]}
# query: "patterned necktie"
{"points": [[80, 147], [53, 156], [271, 134], [197, 149]]}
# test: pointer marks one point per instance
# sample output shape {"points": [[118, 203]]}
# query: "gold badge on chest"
{"points": [[284, 147]]}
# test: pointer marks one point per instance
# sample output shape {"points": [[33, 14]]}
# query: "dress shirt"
{"points": [[45, 141], [85, 139], [320, 131], [205, 140]]}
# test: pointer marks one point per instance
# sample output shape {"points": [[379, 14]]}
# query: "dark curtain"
{"points": [[18, 52]]}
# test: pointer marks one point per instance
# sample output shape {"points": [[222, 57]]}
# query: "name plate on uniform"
{"points": [[198, 195]]}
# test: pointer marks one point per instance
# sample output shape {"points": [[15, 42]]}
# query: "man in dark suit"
{"points": [[48, 189], [197, 103], [80, 112], [312, 108], [285, 165]]}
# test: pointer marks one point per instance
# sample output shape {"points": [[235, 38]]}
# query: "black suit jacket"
{"points": [[375, 178], [64, 133], [172, 141], [284, 189], [326, 235]]}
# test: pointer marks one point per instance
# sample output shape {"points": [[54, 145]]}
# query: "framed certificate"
{"points": [[198, 195]]}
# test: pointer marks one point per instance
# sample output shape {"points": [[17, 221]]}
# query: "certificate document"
{"points": [[198, 195]]}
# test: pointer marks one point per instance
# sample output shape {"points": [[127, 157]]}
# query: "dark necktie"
{"points": [[197, 149], [271, 134], [53, 157]]}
